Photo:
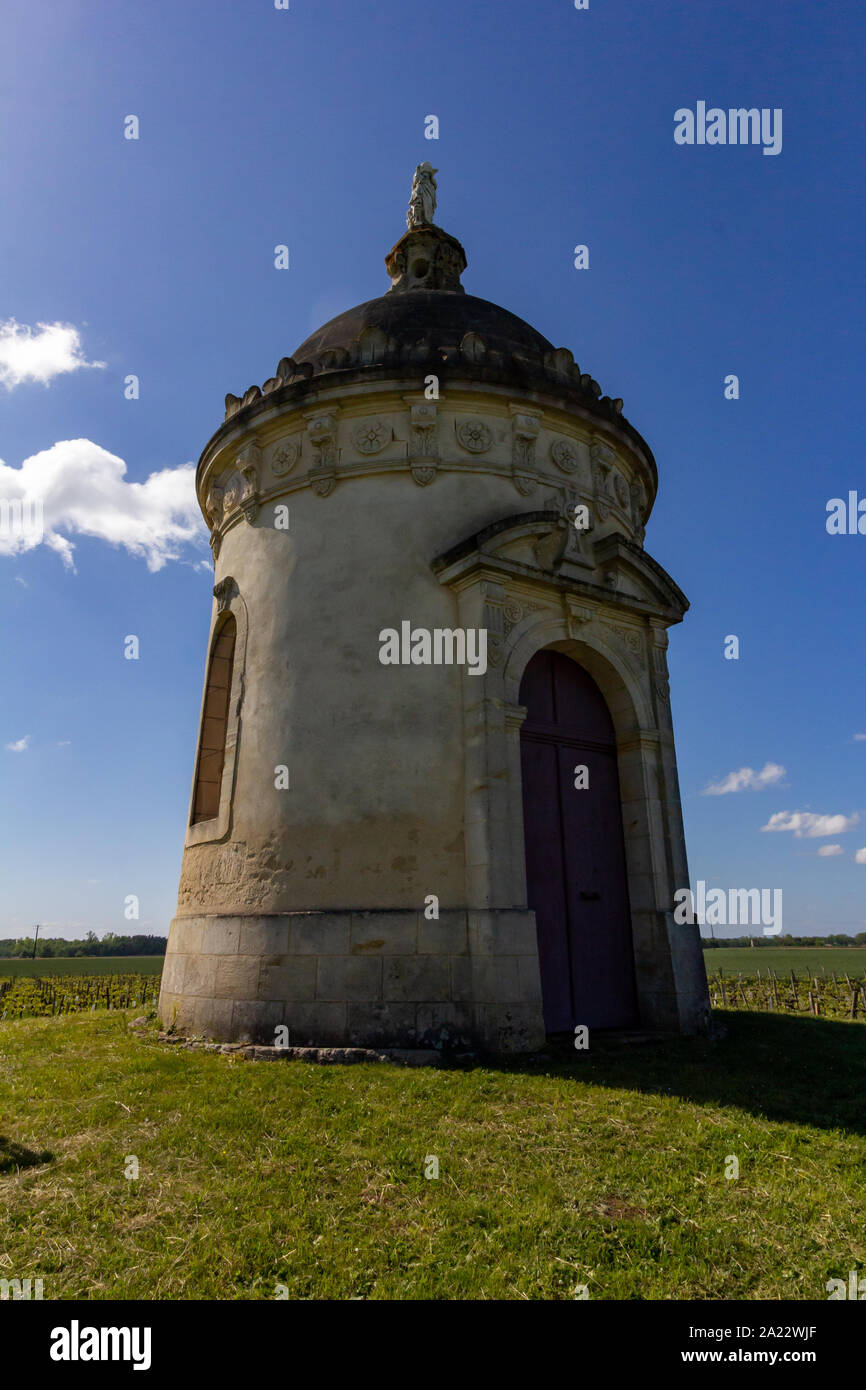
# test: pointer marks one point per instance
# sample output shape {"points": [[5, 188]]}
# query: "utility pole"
{"points": [[35, 939]]}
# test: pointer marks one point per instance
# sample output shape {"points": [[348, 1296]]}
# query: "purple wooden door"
{"points": [[575, 857]]}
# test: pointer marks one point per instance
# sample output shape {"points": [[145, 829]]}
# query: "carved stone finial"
{"points": [[426, 258], [422, 200]]}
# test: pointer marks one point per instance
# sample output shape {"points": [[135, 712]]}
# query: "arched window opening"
{"points": [[212, 748]]}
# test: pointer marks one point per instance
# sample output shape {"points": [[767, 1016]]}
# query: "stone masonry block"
{"points": [[503, 933], [173, 973], [182, 1012], [319, 933], [511, 1027], [168, 1005], [185, 934], [221, 936], [446, 937], [383, 933], [254, 1020], [381, 1025], [237, 977], [529, 979], [269, 936], [496, 979], [444, 1023], [292, 977], [349, 977], [462, 989], [213, 1017], [419, 978], [200, 975], [316, 1024]]}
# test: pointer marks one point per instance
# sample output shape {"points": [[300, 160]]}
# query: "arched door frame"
{"points": [[621, 642]]}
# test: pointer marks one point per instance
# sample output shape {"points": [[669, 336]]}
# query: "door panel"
{"points": [[539, 762], [575, 856]]}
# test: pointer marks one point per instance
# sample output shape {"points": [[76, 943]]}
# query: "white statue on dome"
{"points": [[422, 201]]}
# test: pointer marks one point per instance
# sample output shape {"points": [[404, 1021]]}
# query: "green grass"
{"points": [[803, 960], [605, 1169], [83, 965]]}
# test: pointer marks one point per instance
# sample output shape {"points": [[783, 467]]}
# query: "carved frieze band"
{"points": [[535, 459]]}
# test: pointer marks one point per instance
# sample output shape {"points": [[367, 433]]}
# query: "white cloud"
{"points": [[52, 350], [64, 743], [860, 856], [76, 487], [747, 779], [828, 851], [20, 745], [860, 738], [806, 823]]}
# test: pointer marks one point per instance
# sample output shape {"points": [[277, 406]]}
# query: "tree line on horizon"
{"points": [[49, 947], [836, 939], [111, 944]]}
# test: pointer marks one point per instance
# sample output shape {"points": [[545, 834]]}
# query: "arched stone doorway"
{"points": [[576, 877]]}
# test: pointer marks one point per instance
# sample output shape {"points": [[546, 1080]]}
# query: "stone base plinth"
{"points": [[390, 978]]}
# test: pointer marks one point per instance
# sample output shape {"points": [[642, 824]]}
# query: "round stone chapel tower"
{"points": [[435, 796]]}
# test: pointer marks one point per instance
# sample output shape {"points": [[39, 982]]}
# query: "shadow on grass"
{"points": [[14, 1157], [808, 1071]]}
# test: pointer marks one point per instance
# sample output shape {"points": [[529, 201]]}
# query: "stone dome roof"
{"points": [[427, 323], [423, 325]]}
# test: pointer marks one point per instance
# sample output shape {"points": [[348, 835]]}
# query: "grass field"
{"points": [[803, 960], [605, 1168], [83, 965]]}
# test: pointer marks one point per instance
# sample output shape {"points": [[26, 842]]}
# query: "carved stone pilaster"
{"points": [[423, 448], [525, 430], [638, 510], [602, 461], [214, 505], [322, 434], [239, 490], [249, 464], [659, 651]]}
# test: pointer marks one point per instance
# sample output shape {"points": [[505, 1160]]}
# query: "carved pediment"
{"points": [[634, 568], [539, 546]]}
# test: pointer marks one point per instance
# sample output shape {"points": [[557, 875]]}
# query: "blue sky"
{"points": [[302, 127]]}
